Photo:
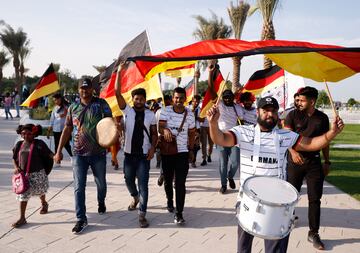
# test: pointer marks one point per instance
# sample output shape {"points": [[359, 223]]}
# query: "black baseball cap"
{"points": [[85, 83], [227, 93], [268, 101]]}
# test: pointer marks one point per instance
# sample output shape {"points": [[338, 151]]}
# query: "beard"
{"points": [[266, 124]]}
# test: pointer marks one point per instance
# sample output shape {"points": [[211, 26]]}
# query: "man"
{"points": [[264, 135], [205, 139], [178, 121], [17, 103], [140, 142], [230, 116], [249, 112], [81, 120], [195, 108], [309, 122]]}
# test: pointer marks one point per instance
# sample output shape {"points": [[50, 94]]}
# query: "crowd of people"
{"points": [[241, 132]]}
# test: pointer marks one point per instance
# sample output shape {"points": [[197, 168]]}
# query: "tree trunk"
{"points": [[268, 33], [196, 81], [16, 63], [1, 74], [236, 73]]}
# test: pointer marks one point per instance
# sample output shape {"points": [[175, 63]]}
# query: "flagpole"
{"points": [[330, 98], [222, 89], [158, 76]]}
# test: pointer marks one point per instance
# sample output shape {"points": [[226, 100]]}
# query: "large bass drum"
{"points": [[267, 207], [106, 132]]}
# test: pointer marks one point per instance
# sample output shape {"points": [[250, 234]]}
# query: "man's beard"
{"points": [[139, 106], [266, 124]]}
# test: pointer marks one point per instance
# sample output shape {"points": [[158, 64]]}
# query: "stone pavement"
{"points": [[210, 220]]}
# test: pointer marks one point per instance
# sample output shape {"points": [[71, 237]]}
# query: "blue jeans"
{"points": [[136, 166], [81, 164], [7, 111], [225, 153]]}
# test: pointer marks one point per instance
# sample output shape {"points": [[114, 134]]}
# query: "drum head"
{"points": [[271, 190], [106, 132]]}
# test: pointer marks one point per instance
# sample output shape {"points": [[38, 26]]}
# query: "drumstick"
{"points": [[222, 89]]}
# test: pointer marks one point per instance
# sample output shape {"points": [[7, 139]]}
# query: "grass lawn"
{"points": [[345, 167]]}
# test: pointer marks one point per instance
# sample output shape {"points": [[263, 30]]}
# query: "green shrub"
{"points": [[39, 113]]}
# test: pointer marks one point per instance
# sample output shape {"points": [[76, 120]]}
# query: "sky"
{"points": [[78, 34]]}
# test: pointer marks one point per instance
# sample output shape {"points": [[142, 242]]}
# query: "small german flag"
{"points": [[188, 70], [265, 78], [189, 88], [208, 102], [47, 84]]}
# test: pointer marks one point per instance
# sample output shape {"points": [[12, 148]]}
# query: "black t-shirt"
{"points": [[137, 139], [308, 126]]}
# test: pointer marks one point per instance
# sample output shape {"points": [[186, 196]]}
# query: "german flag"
{"points": [[207, 103], [266, 79], [47, 84], [189, 88], [131, 77], [314, 61], [188, 70]]}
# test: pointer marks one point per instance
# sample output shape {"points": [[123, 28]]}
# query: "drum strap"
{"points": [[256, 150]]}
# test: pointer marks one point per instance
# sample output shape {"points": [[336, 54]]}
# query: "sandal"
{"points": [[44, 208], [19, 223]]}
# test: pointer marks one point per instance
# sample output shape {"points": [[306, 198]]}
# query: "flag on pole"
{"points": [[264, 80], [207, 103], [131, 77], [188, 70], [47, 84], [189, 88]]}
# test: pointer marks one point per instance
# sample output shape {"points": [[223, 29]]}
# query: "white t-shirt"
{"points": [[228, 117], [268, 161], [129, 123], [173, 122], [249, 116]]}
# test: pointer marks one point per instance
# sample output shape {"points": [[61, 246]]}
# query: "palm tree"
{"points": [[14, 41], [267, 9], [238, 15], [209, 29], [3, 61], [23, 54]]}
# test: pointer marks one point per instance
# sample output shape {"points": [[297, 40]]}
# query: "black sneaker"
{"points": [[178, 219], [232, 183], [222, 190], [160, 180], [209, 159], [79, 227], [170, 207], [203, 163], [101, 208], [314, 238]]}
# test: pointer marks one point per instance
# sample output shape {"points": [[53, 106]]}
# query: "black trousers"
{"points": [[312, 171], [271, 246], [57, 136], [179, 165]]}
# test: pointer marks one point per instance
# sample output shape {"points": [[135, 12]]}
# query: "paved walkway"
{"points": [[210, 226]]}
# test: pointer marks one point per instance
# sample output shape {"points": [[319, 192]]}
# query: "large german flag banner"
{"points": [[265, 79], [315, 61], [208, 102], [181, 71], [47, 84], [131, 77]]}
